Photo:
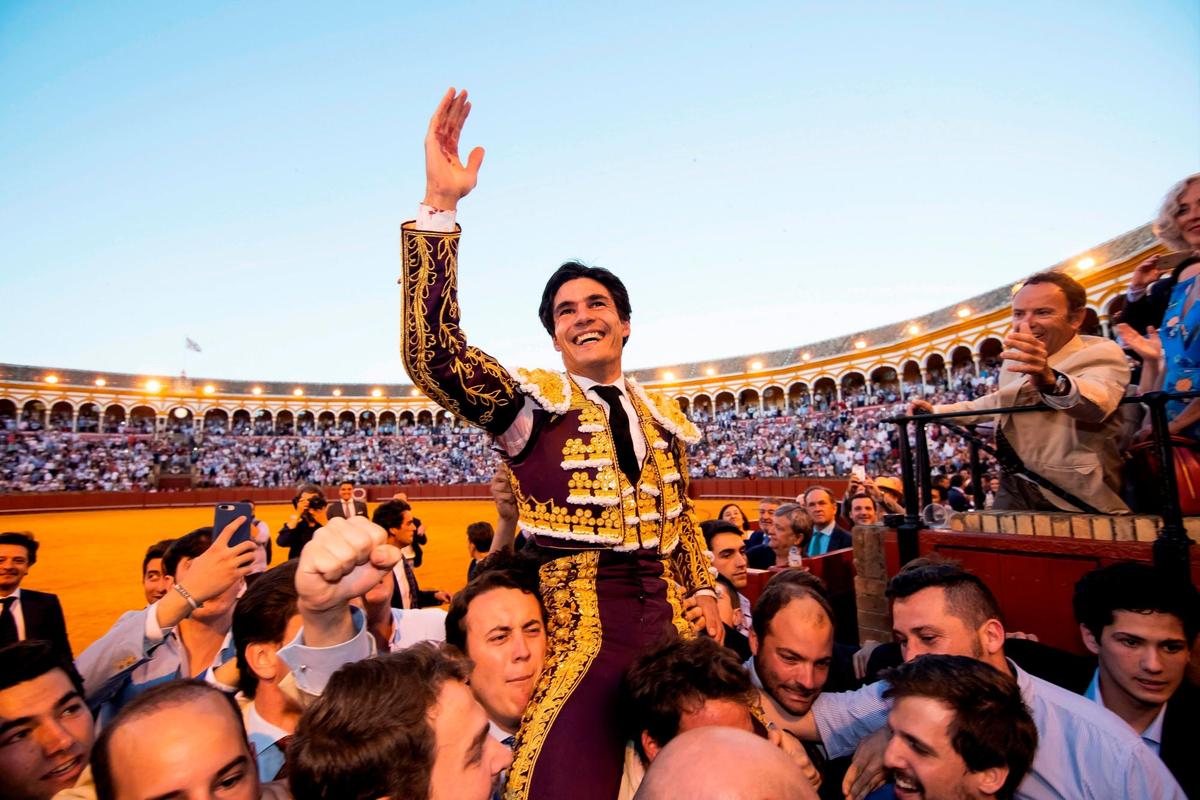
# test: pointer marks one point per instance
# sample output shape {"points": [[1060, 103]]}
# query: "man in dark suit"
{"points": [[826, 535], [395, 517], [346, 506], [25, 614]]}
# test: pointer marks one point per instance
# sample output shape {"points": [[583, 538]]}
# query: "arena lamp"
{"points": [[153, 386], [101, 382], [209, 388], [256, 390], [180, 413], [963, 312], [668, 376], [377, 393], [298, 392], [337, 392], [51, 379], [860, 344], [756, 365], [710, 372], [914, 329], [806, 356], [413, 393], [1085, 263]]}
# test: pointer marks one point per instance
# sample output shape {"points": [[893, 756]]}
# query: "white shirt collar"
{"points": [[588, 383], [498, 733], [255, 724], [828, 529], [1153, 733], [17, 594]]}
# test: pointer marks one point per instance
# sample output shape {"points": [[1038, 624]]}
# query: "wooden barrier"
{"points": [[31, 502], [836, 569], [1033, 578]]}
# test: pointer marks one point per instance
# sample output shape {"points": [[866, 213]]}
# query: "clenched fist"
{"points": [[344, 560]]}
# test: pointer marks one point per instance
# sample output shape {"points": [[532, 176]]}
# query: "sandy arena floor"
{"points": [[92, 559]]}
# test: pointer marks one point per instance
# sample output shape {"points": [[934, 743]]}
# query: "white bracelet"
{"points": [[186, 595]]}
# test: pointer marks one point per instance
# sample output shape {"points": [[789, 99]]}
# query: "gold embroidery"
{"points": [[573, 624], [424, 253]]}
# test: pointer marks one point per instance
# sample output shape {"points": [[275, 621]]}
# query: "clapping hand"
{"points": [[1144, 274], [1027, 354], [1148, 347], [446, 179]]}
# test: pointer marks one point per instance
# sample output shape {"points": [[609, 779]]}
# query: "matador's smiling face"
{"points": [[588, 330]]}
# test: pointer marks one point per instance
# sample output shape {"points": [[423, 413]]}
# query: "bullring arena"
{"points": [[91, 556]]}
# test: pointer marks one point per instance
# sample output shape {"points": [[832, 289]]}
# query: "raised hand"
{"points": [[1149, 347], [345, 559], [1026, 354], [446, 179], [1144, 274], [217, 569], [919, 407]]}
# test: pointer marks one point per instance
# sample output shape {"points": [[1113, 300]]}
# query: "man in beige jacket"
{"points": [[1083, 378]]}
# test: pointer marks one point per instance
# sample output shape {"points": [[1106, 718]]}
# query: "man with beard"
{"points": [[959, 731]]}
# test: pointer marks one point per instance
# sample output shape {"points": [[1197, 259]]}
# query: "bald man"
{"points": [[689, 766]]}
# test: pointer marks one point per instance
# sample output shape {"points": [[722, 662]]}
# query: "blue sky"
{"points": [[760, 176]]}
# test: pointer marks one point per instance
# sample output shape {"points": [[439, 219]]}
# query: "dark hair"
{"points": [[502, 573], [1136, 587], [369, 734], [1073, 290], [782, 589], [956, 480], [874, 505], [189, 545], [390, 514], [991, 725], [22, 539], [304, 489], [678, 677], [770, 501], [967, 597], [573, 270], [261, 616], [344, 481], [480, 534], [156, 550], [745, 519], [33, 658], [165, 695], [711, 528]]}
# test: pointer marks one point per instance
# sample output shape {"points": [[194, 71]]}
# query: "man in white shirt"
{"points": [[346, 505]]}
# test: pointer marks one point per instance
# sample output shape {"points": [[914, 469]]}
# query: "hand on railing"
{"points": [[918, 406]]}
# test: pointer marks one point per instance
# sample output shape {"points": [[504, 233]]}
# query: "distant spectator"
{"points": [[479, 544], [24, 613]]}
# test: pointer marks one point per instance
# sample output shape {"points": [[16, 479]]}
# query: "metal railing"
{"points": [[1171, 548]]}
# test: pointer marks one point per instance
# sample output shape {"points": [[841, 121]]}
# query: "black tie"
{"points": [[8, 622], [618, 420]]}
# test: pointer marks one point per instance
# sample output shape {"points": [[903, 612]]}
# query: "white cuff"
{"points": [[1134, 294], [433, 219], [154, 631]]}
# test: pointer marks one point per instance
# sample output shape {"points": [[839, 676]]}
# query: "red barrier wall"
{"points": [[785, 488], [1033, 578]]}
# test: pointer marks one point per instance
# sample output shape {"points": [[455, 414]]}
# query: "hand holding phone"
{"points": [[226, 513]]}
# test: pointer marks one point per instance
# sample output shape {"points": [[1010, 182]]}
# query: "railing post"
{"points": [[923, 466], [1171, 548], [977, 490], [906, 534]]}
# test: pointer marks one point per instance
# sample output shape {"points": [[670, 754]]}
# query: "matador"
{"points": [[598, 470]]}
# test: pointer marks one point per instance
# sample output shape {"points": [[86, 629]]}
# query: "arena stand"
{"points": [[773, 423]]}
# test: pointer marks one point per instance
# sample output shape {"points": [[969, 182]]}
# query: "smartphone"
{"points": [[859, 472], [1169, 261], [226, 513]]}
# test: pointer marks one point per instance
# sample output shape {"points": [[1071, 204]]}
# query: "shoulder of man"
{"points": [[1097, 349], [668, 413], [551, 390]]}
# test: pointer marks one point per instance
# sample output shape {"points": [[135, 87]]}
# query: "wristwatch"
{"points": [[1062, 385]]}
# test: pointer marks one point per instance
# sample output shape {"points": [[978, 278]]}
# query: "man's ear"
{"points": [[992, 636], [753, 643], [554, 341], [1089, 641], [1076, 318], [261, 658], [649, 746], [991, 780]]}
